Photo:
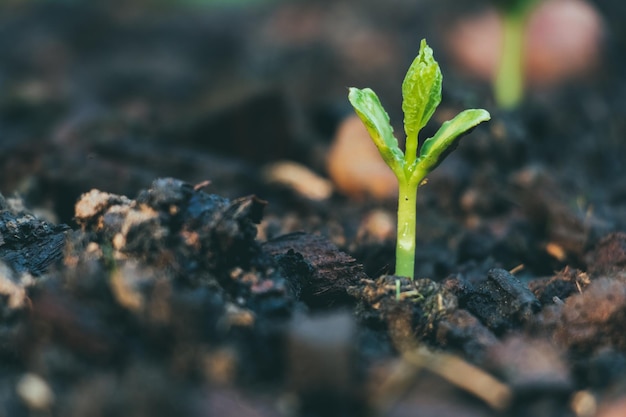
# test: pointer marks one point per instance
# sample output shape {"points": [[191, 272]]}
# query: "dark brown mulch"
{"points": [[148, 267]]}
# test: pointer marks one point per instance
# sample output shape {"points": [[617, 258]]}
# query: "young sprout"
{"points": [[421, 94], [509, 81]]}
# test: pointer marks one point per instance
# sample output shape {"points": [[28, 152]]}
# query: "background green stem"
{"points": [[509, 82], [405, 244]]}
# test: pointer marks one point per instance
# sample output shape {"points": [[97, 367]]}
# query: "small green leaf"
{"points": [[376, 120], [421, 91], [435, 149]]}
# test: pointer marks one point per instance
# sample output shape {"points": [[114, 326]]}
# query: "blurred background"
{"points": [[112, 94]]}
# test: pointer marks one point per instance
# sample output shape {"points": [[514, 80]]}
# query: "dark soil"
{"points": [[150, 268]]}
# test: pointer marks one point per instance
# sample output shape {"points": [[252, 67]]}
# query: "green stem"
{"points": [[509, 82], [405, 245], [410, 151]]}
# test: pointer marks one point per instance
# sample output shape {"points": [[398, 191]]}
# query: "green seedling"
{"points": [[421, 94], [509, 81]]}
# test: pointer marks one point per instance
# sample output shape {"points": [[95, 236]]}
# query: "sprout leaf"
{"points": [[376, 120], [435, 149]]}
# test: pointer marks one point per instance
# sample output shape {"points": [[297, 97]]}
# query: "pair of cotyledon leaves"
{"points": [[421, 94]]}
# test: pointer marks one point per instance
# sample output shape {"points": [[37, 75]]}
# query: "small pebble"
{"points": [[584, 404], [300, 179], [35, 392]]}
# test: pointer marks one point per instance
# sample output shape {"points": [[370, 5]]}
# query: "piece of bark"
{"points": [[501, 301], [324, 272], [27, 243]]}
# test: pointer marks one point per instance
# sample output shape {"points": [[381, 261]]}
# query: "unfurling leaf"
{"points": [[421, 91]]}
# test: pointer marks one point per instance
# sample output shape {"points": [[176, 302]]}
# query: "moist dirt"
{"points": [[150, 265]]}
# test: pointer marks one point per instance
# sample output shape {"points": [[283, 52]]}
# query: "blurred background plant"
{"points": [[528, 44], [509, 81]]}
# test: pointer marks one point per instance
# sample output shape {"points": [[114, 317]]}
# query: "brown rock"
{"points": [[356, 167], [530, 364], [595, 317], [563, 39]]}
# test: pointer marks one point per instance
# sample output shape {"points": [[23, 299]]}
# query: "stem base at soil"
{"points": [[405, 244]]}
